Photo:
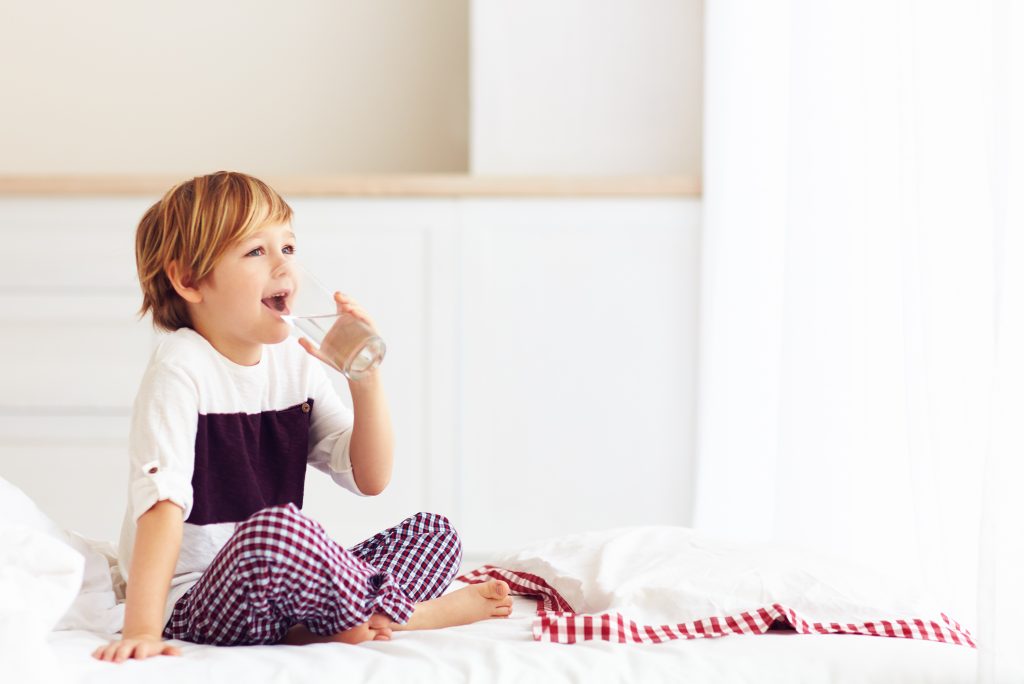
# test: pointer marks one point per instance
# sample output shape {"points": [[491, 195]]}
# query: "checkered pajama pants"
{"points": [[280, 568]]}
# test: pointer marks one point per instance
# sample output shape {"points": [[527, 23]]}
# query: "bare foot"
{"points": [[469, 604], [377, 628]]}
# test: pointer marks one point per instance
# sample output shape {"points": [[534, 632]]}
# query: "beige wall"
{"points": [[317, 87], [193, 86]]}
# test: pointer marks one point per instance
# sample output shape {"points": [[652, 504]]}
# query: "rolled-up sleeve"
{"points": [[330, 432], [162, 439]]}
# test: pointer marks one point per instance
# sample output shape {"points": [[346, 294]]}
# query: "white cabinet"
{"points": [[540, 364]]}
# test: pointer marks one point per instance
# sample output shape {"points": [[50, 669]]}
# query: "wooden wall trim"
{"points": [[383, 185]]}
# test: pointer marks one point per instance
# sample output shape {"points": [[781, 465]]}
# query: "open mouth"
{"points": [[278, 303]]}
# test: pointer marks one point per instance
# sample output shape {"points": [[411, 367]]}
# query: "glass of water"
{"points": [[346, 343]]}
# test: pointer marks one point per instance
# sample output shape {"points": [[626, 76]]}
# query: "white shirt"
{"points": [[223, 440]]}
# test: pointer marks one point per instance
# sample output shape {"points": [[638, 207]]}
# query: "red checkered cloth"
{"points": [[557, 622]]}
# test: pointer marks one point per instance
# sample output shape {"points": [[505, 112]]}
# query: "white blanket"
{"points": [[655, 583]]}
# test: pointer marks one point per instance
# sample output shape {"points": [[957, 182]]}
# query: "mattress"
{"points": [[503, 650]]}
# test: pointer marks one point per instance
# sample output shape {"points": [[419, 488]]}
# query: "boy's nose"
{"points": [[283, 267]]}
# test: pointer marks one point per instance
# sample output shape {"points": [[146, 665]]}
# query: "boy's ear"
{"points": [[181, 280]]}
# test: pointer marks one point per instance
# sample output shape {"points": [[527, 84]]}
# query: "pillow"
{"points": [[94, 606], [39, 578], [656, 583]]}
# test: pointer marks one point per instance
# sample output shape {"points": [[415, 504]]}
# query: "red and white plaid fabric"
{"points": [[557, 622]]}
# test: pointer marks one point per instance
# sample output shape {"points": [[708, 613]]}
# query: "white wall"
{"points": [[540, 365], [195, 86], [584, 87]]}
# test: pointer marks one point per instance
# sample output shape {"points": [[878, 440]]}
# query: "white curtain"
{"points": [[861, 385]]}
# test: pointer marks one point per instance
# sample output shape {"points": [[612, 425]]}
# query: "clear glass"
{"points": [[344, 342]]}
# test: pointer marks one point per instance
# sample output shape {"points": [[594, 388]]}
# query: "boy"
{"points": [[225, 422]]}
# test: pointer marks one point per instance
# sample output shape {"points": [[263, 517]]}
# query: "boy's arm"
{"points": [[365, 457], [371, 445], [158, 536], [157, 544]]}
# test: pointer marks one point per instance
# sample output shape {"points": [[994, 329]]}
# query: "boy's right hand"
{"points": [[141, 646]]}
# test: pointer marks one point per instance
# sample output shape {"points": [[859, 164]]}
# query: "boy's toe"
{"points": [[496, 589], [379, 621]]}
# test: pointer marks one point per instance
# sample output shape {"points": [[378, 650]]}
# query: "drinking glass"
{"points": [[345, 342]]}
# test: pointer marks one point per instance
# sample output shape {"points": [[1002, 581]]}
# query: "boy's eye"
{"points": [[259, 251]]}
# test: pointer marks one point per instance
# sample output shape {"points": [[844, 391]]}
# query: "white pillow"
{"points": [[39, 578], [653, 583], [95, 607]]}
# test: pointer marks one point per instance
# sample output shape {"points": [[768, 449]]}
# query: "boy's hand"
{"points": [[141, 647], [346, 304]]}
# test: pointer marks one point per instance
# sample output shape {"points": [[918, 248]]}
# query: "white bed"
{"points": [[503, 650], [51, 577]]}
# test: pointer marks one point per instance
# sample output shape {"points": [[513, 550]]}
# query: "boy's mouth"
{"points": [[278, 302]]}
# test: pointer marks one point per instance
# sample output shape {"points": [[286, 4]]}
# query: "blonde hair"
{"points": [[193, 224]]}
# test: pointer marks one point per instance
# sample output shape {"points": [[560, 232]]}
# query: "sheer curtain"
{"points": [[861, 383]]}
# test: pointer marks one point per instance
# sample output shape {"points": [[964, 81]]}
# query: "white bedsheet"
{"points": [[502, 650]]}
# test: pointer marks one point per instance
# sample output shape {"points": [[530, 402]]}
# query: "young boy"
{"points": [[225, 422]]}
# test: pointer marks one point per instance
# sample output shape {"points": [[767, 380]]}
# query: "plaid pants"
{"points": [[280, 568]]}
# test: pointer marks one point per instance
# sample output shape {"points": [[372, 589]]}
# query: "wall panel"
{"points": [[539, 368]]}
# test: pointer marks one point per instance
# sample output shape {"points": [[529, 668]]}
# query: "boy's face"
{"points": [[232, 314]]}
